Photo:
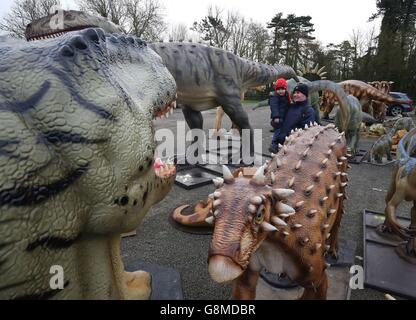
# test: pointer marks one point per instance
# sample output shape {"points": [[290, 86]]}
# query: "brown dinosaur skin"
{"points": [[309, 177], [364, 92]]}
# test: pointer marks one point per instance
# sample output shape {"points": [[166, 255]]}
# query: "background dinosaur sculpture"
{"points": [[206, 77], [364, 92], [284, 218], [379, 108], [76, 161], [403, 187], [381, 148]]}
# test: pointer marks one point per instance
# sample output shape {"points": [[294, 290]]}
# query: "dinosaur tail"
{"points": [[342, 97], [257, 74], [196, 219]]}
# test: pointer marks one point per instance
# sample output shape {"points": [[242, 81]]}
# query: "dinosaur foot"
{"points": [[139, 285], [407, 250], [385, 231]]}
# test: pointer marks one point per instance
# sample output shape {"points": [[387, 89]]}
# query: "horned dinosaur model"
{"points": [[206, 77], [364, 92], [379, 108], [284, 218], [403, 187], [76, 162]]}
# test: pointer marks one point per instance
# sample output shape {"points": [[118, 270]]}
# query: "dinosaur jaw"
{"points": [[223, 269], [164, 170], [57, 33], [165, 110]]}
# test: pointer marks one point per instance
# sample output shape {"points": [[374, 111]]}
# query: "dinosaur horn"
{"points": [[228, 176], [259, 177]]}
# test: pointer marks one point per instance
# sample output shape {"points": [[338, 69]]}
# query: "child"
{"points": [[279, 103]]}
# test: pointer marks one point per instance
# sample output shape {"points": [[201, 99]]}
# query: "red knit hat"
{"points": [[280, 83]]}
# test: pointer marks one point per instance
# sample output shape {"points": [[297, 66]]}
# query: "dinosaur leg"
{"points": [[195, 121], [244, 287], [316, 292], [413, 217], [138, 285], [218, 118], [333, 240], [237, 114]]}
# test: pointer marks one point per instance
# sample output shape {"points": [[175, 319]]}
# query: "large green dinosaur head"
{"points": [[76, 154], [63, 21]]}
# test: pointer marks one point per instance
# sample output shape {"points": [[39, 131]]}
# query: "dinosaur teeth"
{"points": [[279, 222], [268, 227]]}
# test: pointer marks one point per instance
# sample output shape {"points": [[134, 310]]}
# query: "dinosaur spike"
{"points": [[332, 145], [273, 177], [241, 175], [344, 174], [282, 194], [318, 175], [278, 163], [324, 162], [330, 188], [304, 241], [228, 176], [329, 152], [337, 174], [211, 196], [291, 182], [297, 226], [216, 203], [340, 164], [309, 189], [298, 165], [210, 220], [279, 222], [280, 146], [299, 204], [284, 215], [217, 194], [327, 247], [327, 265], [325, 226], [323, 200], [344, 184], [318, 246], [285, 149], [259, 177], [268, 227], [340, 195], [305, 153], [312, 213], [332, 211], [315, 124], [252, 208], [328, 236], [216, 213], [284, 208], [272, 155], [218, 183], [306, 127], [310, 269], [256, 200], [343, 159]]}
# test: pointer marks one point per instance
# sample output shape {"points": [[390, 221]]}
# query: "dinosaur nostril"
{"points": [[92, 35], [67, 51], [79, 43]]}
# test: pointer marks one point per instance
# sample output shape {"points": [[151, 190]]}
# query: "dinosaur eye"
{"points": [[259, 215]]}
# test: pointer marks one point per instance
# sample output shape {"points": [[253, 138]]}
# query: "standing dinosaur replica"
{"points": [[206, 77], [379, 108], [364, 92], [284, 218], [76, 162], [403, 187]]}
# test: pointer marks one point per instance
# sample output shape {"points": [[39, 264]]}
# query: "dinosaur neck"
{"points": [[337, 90]]}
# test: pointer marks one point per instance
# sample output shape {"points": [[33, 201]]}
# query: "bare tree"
{"points": [[145, 19], [114, 10], [23, 12], [179, 32]]}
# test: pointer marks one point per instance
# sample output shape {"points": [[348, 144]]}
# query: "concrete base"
{"points": [[338, 288], [166, 282], [384, 269]]}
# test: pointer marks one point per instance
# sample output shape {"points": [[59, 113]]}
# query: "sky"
{"points": [[334, 20]]}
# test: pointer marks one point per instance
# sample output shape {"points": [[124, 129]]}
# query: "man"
{"points": [[298, 114]]}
